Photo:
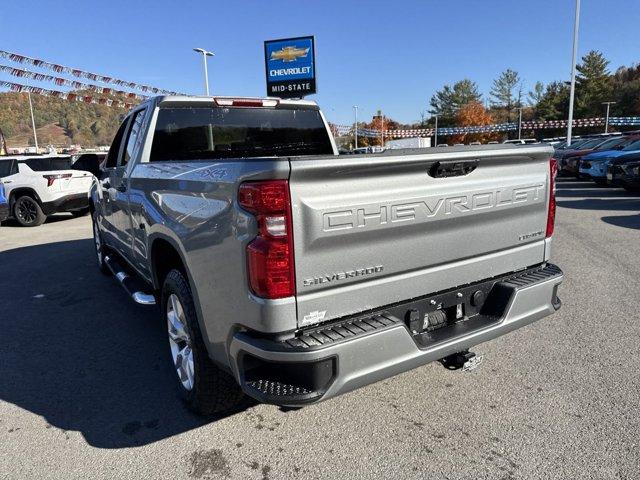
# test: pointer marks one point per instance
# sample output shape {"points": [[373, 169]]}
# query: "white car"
{"points": [[37, 186]]}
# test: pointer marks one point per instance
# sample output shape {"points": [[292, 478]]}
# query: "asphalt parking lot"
{"points": [[86, 390]]}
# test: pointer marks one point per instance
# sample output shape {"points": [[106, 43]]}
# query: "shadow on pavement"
{"points": [[58, 217], [627, 221], [622, 204], [586, 195], [79, 353]]}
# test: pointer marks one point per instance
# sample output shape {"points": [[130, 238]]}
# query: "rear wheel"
{"points": [[205, 388], [27, 212]]}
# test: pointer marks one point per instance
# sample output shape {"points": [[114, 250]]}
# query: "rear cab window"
{"points": [[196, 133]]}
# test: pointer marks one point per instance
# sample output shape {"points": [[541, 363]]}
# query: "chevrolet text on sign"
{"points": [[290, 67]]}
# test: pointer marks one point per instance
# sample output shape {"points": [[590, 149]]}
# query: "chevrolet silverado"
{"points": [[293, 274]]}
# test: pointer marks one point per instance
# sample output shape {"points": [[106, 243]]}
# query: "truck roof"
{"points": [[176, 100]]}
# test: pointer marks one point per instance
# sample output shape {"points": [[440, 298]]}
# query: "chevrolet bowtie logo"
{"points": [[289, 54]]}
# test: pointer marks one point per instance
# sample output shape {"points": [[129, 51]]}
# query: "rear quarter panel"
{"points": [[193, 206]]}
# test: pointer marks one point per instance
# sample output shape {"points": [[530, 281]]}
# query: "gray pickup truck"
{"points": [[292, 274]]}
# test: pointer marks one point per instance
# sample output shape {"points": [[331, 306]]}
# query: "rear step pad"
{"points": [[132, 285]]}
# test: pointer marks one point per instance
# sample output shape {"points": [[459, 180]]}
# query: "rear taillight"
{"points": [[58, 176], [551, 215], [270, 255]]}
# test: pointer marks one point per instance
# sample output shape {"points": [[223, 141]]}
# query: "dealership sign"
{"points": [[290, 67]]}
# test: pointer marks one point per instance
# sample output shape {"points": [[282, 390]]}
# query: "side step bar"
{"points": [[132, 285]]}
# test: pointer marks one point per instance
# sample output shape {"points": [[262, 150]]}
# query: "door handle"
{"points": [[7, 181]]}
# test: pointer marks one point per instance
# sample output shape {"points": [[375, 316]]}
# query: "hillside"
{"points": [[58, 122]]}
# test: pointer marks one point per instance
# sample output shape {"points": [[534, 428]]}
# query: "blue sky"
{"points": [[391, 55]]}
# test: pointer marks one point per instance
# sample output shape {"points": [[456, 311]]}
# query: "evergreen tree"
{"points": [[593, 85], [554, 103], [535, 95], [447, 101], [503, 92]]}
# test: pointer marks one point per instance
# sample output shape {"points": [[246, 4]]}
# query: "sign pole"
{"points": [[355, 112]]}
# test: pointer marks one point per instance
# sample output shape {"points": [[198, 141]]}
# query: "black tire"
{"points": [[27, 212], [80, 213], [214, 390], [98, 247]]}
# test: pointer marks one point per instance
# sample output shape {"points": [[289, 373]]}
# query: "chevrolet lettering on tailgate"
{"points": [[430, 207]]}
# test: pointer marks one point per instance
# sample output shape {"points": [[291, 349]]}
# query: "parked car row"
{"points": [[33, 187], [607, 160]]}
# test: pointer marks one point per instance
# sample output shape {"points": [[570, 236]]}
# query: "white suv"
{"points": [[37, 186]]}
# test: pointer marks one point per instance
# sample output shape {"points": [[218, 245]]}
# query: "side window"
{"points": [[60, 163], [39, 164], [112, 156], [133, 137], [8, 168]]}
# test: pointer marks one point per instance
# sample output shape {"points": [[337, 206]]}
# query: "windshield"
{"points": [[214, 133], [575, 144], [635, 145], [590, 143], [609, 144]]}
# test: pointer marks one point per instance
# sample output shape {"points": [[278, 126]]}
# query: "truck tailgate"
{"points": [[373, 230]]}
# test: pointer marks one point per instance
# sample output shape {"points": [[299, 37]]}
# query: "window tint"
{"points": [[590, 143], [8, 167], [214, 133], [133, 137], [112, 156], [46, 164], [633, 146], [86, 161], [612, 142]]}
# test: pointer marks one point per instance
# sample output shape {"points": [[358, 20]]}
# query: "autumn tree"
{"points": [[626, 91], [471, 115]]}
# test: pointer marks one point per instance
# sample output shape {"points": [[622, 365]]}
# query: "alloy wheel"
{"points": [[27, 210], [97, 241], [180, 342]]}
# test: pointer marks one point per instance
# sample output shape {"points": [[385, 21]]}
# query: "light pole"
{"points": [[355, 115], [519, 123], [33, 122], [435, 131], [606, 121], [205, 54], [572, 92]]}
